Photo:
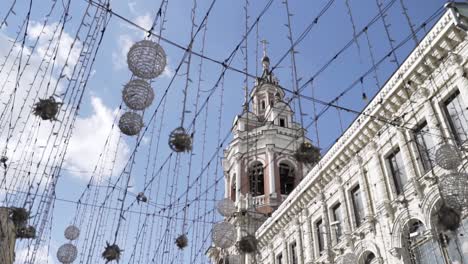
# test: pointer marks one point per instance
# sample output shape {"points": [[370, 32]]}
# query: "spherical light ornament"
{"points": [[130, 123], [146, 59], [224, 235], [138, 94], [347, 258], [72, 232], [180, 141], [454, 190], [448, 157], [67, 253], [226, 207]]}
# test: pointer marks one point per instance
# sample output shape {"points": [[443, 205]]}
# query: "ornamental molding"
{"points": [[413, 68]]}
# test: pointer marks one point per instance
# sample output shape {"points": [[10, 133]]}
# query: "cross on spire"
{"points": [[264, 43]]}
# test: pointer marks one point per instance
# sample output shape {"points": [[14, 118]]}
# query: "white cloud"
{"points": [[145, 21], [119, 56], [88, 140], [43, 255]]}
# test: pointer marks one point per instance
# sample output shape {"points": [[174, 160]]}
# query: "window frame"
{"points": [[288, 179], [358, 213], [399, 183], [424, 155], [318, 226], [260, 188], [451, 124], [338, 229]]}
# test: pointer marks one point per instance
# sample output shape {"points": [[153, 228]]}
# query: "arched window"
{"points": [[233, 188], [256, 179], [370, 259], [263, 104], [423, 249], [287, 178]]}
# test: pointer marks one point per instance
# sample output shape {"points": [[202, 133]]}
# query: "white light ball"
{"points": [[226, 207], [454, 190], [224, 235], [72, 232], [146, 59], [138, 94], [448, 157], [67, 253], [130, 123]]}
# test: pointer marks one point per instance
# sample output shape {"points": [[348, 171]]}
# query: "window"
{"points": [[457, 115], [320, 235], [287, 177], [233, 188], [256, 180], [397, 171], [282, 122], [337, 221], [279, 259], [425, 145], [370, 258], [422, 249], [293, 253], [263, 105], [358, 206]]}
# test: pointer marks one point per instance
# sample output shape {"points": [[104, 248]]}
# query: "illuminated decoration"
{"points": [[72, 232], [454, 190], [224, 235], [146, 59], [307, 153], [112, 252], [247, 244], [47, 109], [448, 157], [448, 218], [138, 94], [141, 197], [182, 241], [180, 141], [347, 258], [67, 253], [19, 216], [226, 207], [130, 123], [26, 232]]}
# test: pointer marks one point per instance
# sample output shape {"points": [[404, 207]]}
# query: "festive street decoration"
{"points": [[138, 94], [112, 252], [224, 235], [131, 123], [307, 153], [47, 109], [226, 207], [180, 141], [181, 241], [247, 244], [454, 190], [146, 59], [448, 157], [72, 232], [67, 253]]}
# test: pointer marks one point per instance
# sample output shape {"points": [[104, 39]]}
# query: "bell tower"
{"points": [[259, 164]]}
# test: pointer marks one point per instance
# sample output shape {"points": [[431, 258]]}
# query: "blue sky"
{"points": [[226, 26]]}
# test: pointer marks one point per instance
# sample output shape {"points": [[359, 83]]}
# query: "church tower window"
{"points": [[287, 177], [256, 179]]}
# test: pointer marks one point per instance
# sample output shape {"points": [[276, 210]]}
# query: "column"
{"points": [[271, 171], [326, 224], [272, 254], [461, 80], [378, 182], [431, 117], [238, 178], [227, 185], [7, 237], [298, 237], [308, 240], [368, 211], [406, 154], [344, 209], [285, 248]]}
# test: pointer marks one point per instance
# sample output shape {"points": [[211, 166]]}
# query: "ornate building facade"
{"points": [[374, 197]]}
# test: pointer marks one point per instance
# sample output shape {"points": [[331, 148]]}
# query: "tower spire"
{"points": [[265, 59]]}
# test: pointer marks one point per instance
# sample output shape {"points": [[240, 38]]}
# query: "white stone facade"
{"points": [[380, 221]]}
